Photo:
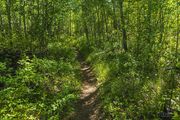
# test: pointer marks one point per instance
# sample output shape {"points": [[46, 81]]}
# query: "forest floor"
{"points": [[88, 107]]}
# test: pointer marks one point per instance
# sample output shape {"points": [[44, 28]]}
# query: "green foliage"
{"points": [[41, 88], [46, 37], [2, 67], [127, 91], [60, 51]]}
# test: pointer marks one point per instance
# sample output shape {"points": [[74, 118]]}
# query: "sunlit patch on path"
{"points": [[88, 107]]}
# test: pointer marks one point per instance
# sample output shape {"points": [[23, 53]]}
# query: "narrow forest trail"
{"points": [[88, 107]]}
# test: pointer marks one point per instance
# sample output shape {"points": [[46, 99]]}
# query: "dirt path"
{"points": [[88, 107]]}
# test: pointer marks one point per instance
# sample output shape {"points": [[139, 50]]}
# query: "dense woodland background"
{"points": [[132, 45]]}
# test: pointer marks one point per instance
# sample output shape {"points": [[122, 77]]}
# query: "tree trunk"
{"points": [[149, 21], [124, 35], [114, 15], [1, 24], [24, 19], [8, 10]]}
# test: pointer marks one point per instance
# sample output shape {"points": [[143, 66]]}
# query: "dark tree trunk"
{"points": [[124, 35], [8, 10]]}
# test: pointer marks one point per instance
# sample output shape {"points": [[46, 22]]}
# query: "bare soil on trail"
{"points": [[88, 107]]}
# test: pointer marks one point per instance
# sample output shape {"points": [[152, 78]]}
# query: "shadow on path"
{"points": [[88, 107]]}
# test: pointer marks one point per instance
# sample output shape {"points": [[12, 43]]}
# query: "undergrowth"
{"points": [[41, 87], [128, 91]]}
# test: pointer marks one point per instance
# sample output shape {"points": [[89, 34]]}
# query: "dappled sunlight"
{"points": [[102, 71], [89, 60]]}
